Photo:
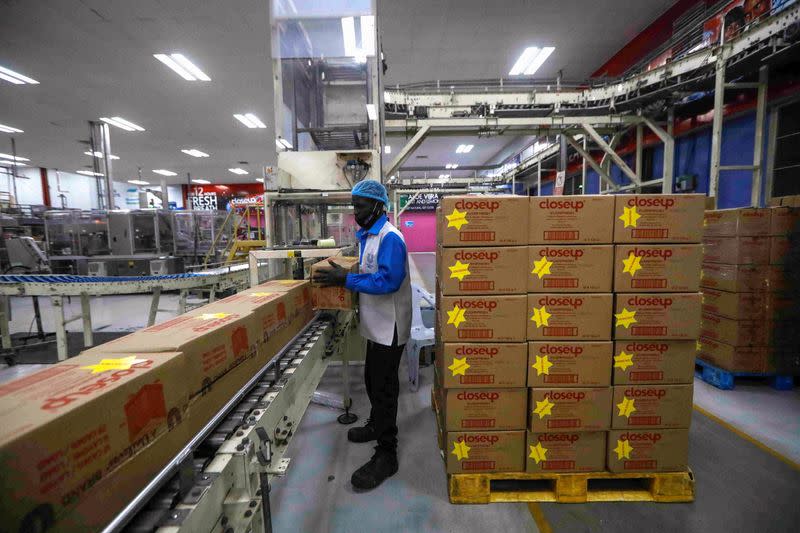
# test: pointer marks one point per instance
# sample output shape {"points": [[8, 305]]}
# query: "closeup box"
{"points": [[736, 250], [672, 315], [780, 247], [784, 220], [482, 318], [657, 267], [484, 409], [485, 451], [662, 218], [734, 358], [735, 278], [652, 406], [485, 270], [484, 220], [579, 451], [569, 316], [569, 364], [475, 365], [334, 297], [735, 305], [571, 219], [557, 268], [653, 361], [735, 332], [562, 409], [648, 450], [739, 222]]}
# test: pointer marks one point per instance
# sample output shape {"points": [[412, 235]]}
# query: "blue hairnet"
{"points": [[371, 189]]}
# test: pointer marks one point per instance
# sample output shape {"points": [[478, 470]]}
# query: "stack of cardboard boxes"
{"points": [[746, 297]]}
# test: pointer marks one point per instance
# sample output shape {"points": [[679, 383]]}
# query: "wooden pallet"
{"points": [[664, 487], [726, 379]]}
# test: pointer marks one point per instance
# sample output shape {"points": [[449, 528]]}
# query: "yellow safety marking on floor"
{"points": [[538, 517], [747, 437]]}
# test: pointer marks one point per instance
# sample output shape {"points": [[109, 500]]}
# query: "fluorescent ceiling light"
{"points": [[387, 149], [444, 177], [194, 152], [239, 171], [12, 158], [280, 142], [9, 129], [89, 173], [372, 113], [249, 120], [530, 60], [464, 148], [139, 182], [260, 180], [11, 163], [99, 155], [200, 182], [122, 123], [451, 166], [165, 172], [183, 67], [15, 77]]}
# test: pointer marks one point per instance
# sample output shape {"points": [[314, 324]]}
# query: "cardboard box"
{"points": [[557, 268], [569, 316], [484, 409], [784, 220], [736, 250], [485, 451], [474, 365], [484, 220], [735, 305], [777, 280], [487, 318], [657, 267], [745, 222], [579, 409], [652, 406], [582, 451], [485, 270], [648, 450], [735, 332], [571, 219], [780, 248], [782, 305], [733, 358], [672, 315], [658, 218], [334, 297], [736, 278], [657, 362], [569, 364]]}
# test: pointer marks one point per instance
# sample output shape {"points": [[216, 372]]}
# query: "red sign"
{"points": [[217, 197]]}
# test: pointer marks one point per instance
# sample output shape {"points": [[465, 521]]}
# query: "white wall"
{"points": [[175, 194], [29, 185], [79, 191]]}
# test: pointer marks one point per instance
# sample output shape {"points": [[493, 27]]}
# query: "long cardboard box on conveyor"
{"points": [[79, 439]]}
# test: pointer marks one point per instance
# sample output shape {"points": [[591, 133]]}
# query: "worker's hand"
{"points": [[336, 276]]}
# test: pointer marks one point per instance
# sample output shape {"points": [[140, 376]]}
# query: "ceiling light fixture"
{"points": [[12, 158], [15, 77], [9, 129], [122, 123], [260, 180], [464, 148], [238, 171], [387, 149], [249, 120], [280, 142], [89, 173], [183, 67], [139, 182], [165, 172], [11, 163], [194, 152], [200, 181], [99, 155], [451, 166], [372, 113], [530, 60], [444, 177]]}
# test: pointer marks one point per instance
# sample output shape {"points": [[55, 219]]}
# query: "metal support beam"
{"points": [[583, 167], [639, 148], [610, 151], [407, 150], [60, 325], [716, 125], [539, 178], [669, 150], [86, 315], [772, 140], [399, 212], [587, 158], [761, 111]]}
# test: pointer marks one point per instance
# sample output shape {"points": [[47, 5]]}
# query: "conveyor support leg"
{"points": [[151, 319], [86, 314], [5, 311], [61, 326]]}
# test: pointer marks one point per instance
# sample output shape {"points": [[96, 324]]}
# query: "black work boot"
{"points": [[382, 466], [365, 433]]}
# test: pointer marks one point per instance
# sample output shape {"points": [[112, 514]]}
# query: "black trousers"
{"points": [[383, 388]]}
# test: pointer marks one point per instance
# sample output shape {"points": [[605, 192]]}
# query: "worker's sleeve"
{"points": [[391, 269]]}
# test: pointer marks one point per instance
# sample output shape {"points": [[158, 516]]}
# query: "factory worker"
{"points": [[385, 315]]}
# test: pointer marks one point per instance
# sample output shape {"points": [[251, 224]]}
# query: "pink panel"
{"points": [[419, 231]]}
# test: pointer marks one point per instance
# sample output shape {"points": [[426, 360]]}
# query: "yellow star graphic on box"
{"points": [[632, 264], [623, 449], [626, 407], [123, 363], [538, 453], [544, 408], [625, 318], [459, 366], [542, 365], [629, 216], [262, 294], [213, 316], [623, 360], [698, 346], [459, 270], [541, 316], [456, 219], [456, 316], [542, 267], [461, 450]]}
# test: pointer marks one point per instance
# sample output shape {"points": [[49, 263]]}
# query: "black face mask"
{"points": [[366, 218]]}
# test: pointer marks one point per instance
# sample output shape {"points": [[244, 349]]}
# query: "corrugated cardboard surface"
{"points": [[482, 318], [662, 218], [561, 409], [648, 450], [558, 268], [334, 297], [735, 305], [736, 250], [584, 316], [736, 332], [484, 220], [482, 270], [780, 246], [657, 268], [485, 451], [484, 409], [476, 365], [736, 278], [652, 406], [777, 279], [657, 316], [656, 361], [572, 219], [581, 451], [747, 222], [734, 358], [784, 220], [569, 364]]}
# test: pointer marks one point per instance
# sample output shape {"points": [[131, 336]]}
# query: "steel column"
{"points": [[761, 111], [587, 158], [407, 150], [61, 326], [639, 147], [86, 315], [669, 150], [583, 168], [716, 125], [772, 140], [539, 178], [612, 154]]}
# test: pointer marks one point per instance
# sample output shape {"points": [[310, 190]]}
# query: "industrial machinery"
{"points": [[199, 232], [74, 232], [142, 231]]}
